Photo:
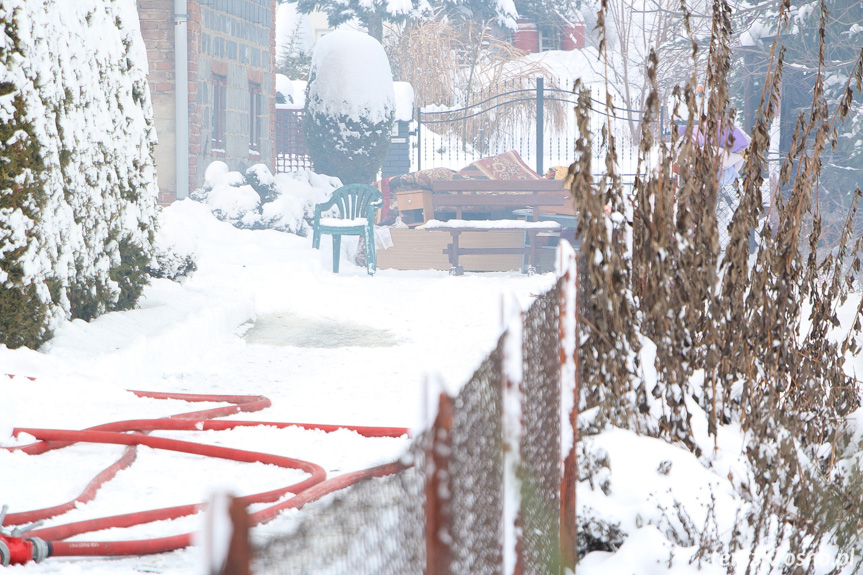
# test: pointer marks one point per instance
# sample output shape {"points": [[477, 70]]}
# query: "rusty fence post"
{"points": [[234, 555], [438, 490], [568, 323]]}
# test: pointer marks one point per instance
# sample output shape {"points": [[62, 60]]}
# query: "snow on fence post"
{"points": [[438, 491], [567, 268], [225, 537], [511, 431]]}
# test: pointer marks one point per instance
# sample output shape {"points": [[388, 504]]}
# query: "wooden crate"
{"points": [[415, 206], [415, 249]]}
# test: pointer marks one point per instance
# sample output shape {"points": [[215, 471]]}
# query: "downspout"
{"points": [[181, 97]]}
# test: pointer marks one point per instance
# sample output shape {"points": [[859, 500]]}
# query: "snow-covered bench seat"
{"points": [[455, 227]]}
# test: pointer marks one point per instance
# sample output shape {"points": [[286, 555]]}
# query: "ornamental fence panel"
{"points": [[291, 152], [535, 118]]}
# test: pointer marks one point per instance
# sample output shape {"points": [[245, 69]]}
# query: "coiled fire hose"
{"points": [[26, 542]]}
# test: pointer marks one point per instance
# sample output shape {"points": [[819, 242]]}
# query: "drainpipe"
{"points": [[181, 97]]}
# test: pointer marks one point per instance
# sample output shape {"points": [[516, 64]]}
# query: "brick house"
{"points": [[226, 52], [540, 36]]}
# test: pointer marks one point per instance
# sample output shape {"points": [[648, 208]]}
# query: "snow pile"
{"points": [[291, 94], [404, 94], [259, 200], [176, 246], [351, 78], [85, 198], [7, 411]]}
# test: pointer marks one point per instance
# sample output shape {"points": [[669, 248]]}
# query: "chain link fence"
{"points": [[445, 514]]}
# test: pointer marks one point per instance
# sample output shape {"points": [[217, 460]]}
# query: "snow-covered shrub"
{"points": [[175, 245], [258, 200], [350, 106], [78, 184], [263, 182], [597, 534]]}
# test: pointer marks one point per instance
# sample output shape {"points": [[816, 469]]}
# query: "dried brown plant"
{"points": [[466, 66], [760, 322]]}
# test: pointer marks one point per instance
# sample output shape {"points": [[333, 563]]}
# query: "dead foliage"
{"points": [[466, 65], [757, 319]]}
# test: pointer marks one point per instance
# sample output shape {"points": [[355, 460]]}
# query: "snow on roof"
{"points": [[294, 92], [352, 77]]}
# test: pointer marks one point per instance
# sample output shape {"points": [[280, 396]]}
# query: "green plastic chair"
{"points": [[357, 205]]}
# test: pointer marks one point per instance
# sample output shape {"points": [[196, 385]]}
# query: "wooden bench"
{"points": [[527, 196], [497, 195], [529, 250]]}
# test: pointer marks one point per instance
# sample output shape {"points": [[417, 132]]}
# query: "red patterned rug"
{"points": [[506, 166]]}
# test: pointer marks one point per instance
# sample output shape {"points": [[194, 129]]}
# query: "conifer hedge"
{"points": [[77, 178]]}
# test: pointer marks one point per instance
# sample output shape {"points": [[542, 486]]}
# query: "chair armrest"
{"points": [[323, 207]]}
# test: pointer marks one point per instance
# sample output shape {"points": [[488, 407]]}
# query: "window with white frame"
{"points": [[255, 117]]}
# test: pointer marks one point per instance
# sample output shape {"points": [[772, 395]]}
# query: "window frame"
{"points": [[255, 117], [220, 111]]}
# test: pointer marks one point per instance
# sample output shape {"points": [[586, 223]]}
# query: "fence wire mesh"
{"points": [[541, 436], [379, 526], [727, 202], [476, 468], [376, 527]]}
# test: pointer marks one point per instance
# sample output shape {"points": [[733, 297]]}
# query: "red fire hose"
{"points": [[38, 544]]}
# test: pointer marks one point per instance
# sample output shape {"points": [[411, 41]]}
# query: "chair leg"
{"points": [[316, 239], [337, 251], [371, 256]]}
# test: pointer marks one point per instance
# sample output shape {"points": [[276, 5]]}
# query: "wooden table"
{"points": [[528, 250]]}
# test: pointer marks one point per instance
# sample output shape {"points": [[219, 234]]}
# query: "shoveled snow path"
{"points": [[189, 338]]}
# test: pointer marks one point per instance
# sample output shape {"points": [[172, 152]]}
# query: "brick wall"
{"points": [[235, 39], [232, 38], [197, 136], [270, 97]]}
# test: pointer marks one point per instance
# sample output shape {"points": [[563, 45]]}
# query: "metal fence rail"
{"points": [[537, 121]]}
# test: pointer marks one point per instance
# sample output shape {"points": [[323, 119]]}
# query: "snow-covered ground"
{"points": [[263, 314]]}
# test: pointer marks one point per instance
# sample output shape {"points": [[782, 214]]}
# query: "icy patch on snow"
{"points": [[286, 329]]}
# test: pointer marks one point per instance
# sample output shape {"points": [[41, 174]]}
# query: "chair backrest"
{"points": [[354, 200]]}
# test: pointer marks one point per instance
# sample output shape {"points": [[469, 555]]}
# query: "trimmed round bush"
{"points": [[350, 107]]}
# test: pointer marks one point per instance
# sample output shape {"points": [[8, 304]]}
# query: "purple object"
{"points": [[733, 139]]}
